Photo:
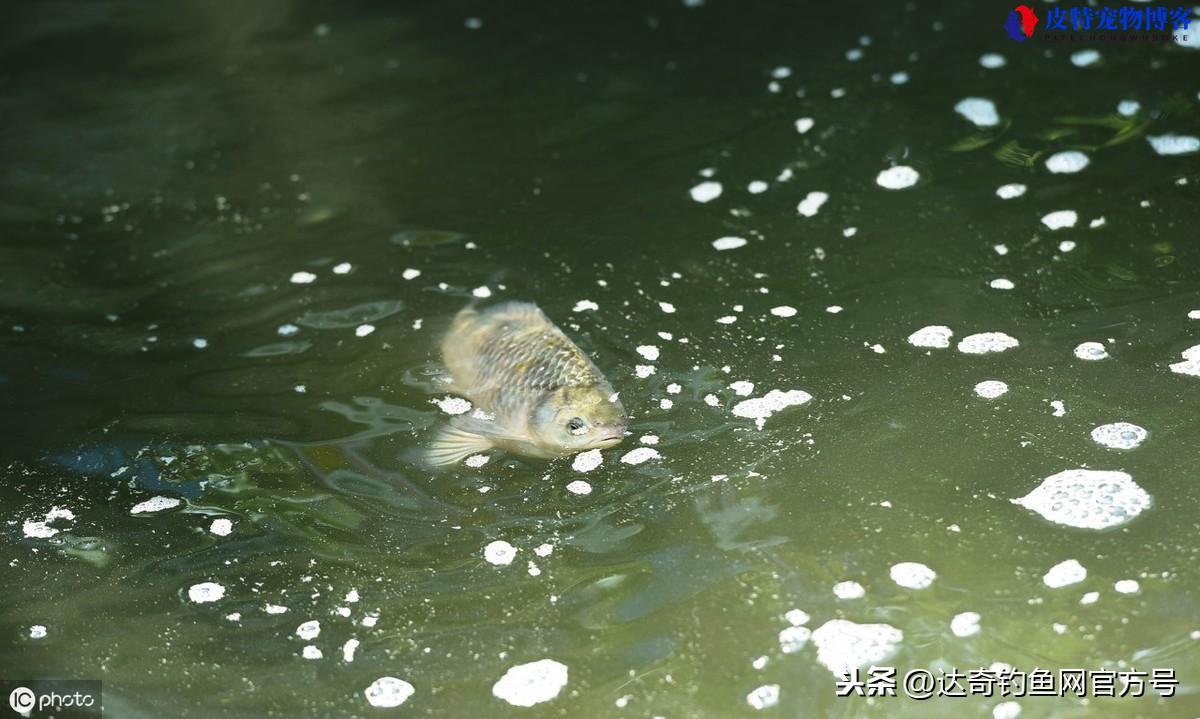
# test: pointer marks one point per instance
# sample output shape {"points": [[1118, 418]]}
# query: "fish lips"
{"points": [[611, 438]]}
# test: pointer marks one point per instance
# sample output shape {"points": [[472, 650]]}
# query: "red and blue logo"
{"points": [[1021, 22]]}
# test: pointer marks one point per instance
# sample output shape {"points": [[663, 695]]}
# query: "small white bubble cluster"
{"points": [[1119, 435], [1087, 498], [1191, 358], [843, 646], [640, 455], [1066, 163], [991, 388], [912, 575], [933, 336], [1091, 351], [811, 204], [728, 243], [587, 461], [499, 553], [527, 684], [1174, 144], [900, 177], [979, 110], [388, 692], [1064, 574], [1060, 219], [985, 342], [760, 408], [205, 592]]}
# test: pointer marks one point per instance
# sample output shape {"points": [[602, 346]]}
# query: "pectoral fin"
{"points": [[452, 445]]}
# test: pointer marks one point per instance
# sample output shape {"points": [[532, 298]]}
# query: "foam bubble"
{"points": [[843, 646], [706, 191], [796, 617], [1085, 58], [1060, 219], [587, 461], [1001, 283], [1091, 351], [650, 352], [309, 630], [499, 553], [760, 408], [979, 110], [1126, 586], [804, 124], [311, 652], [1128, 108], [991, 388], [1119, 435], [37, 631], [899, 177], [933, 336], [763, 697], [1174, 144], [205, 592], [794, 638], [666, 307], [1191, 359], [302, 278], [452, 405], [1087, 498], [985, 342], [410, 274], [1066, 246], [728, 243], [783, 311], [476, 460], [527, 684], [1067, 162], [834, 309], [363, 330], [585, 306], [579, 487], [811, 203], [849, 590], [965, 624], [388, 692], [221, 527], [912, 575], [742, 388], [155, 504], [639, 455], [1064, 573], [992, 61], [1010, 191]]}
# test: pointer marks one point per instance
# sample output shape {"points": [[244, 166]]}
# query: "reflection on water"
{"points": [[858, 288]]}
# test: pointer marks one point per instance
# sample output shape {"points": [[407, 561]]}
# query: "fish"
{"points": [[535, 392]]}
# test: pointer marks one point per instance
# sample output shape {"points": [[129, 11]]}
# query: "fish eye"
{"points": [[576, 425]]}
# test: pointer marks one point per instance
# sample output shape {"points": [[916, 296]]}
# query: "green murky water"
{"points": [[168, 170]]}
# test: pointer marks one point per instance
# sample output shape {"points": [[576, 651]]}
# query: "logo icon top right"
{"points": [[1021, 22]]}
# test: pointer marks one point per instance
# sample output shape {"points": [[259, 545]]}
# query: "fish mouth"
{"points": [[611, 440]]}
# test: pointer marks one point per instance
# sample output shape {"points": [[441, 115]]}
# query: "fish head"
{"points": [[573, 419]]}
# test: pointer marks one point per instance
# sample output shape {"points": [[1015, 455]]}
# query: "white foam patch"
{"points": [[992, 61], [1126, 586], [363, 330], [1060, 219], [274, 609], [1058, 408], [1119, 435], [309, 630], [1001, 283], [499, 553], [302, 278], [1174, 144], [834, 309], [388, 692], [640, 455], [155, 504], [728, 243], [991, 388], [1085, 58], [205, 592], [1010, 191], [804, 124], [1089, 598], [900, 177], [912, 575], [527, 684], [476, 460], [1064, 574], [742, 388], [452, 405], [727, 320], [1191, 359], [965, 624], [579, 487], [348, 650], [650, 352], [706, 191], [979, 110], [849, 590], [760, 409], [1001, 249], [482, 292], [1194, 315], [783, 311], [1091, 351], [311, 652], [1128, 108], [1006, 710], [843, 646], [933, 336], [811, 204], [1087, 498], [794, 638], [985, 342], [585, 306], [763, 697], [1066, 246], [756, 187], [1067, 162], [37, 631], [41, 529], [221, 527], [587, 461], [666, 307], [410, 274]]}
